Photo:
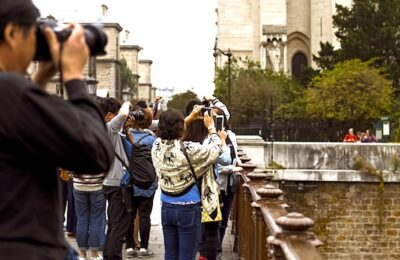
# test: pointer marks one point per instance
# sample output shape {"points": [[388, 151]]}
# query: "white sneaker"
{"points": [[143, 253], [131, 252]]}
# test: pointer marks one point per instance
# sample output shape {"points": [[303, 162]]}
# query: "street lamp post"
{"points": [[229, 55], [91, 83]]}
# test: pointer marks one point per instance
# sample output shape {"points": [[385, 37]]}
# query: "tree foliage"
{"points": [[369, 29], [255, 91], [352, 91], [128, 79], [180, 100]]}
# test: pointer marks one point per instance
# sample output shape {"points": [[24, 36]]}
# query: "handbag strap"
{"points": [[183, 149]]}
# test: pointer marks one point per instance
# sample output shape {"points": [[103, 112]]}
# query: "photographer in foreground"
{"points": [[39, 133]]}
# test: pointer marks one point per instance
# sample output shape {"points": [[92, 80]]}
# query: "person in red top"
{"points": [[350, 137]]}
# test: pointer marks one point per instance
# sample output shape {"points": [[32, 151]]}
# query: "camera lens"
{"points": [[95, 38], [137, 114]]}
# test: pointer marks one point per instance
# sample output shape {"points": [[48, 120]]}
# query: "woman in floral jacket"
{"points": [[180, 197]]}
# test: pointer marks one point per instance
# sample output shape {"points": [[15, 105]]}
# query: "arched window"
{"points": [[298, 60]]}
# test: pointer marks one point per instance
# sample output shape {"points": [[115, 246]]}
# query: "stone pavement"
{"points": [[156, 243]]}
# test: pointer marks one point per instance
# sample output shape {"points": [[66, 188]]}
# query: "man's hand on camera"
{"points": [[47, 69], [74, 55]]}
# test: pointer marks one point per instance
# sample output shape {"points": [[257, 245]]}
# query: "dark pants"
{"points": [[181, 229], [209, 241], [71, 215], [118, 223], [227, 200], [144, 205]]}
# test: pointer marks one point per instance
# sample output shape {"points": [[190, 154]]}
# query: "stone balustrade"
{"points": [[262, 226]]}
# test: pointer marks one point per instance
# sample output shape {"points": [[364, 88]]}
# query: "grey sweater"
{"points": [[114, 175]]}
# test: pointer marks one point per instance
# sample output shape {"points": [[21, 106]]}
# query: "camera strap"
{"points": [[60, 72]]}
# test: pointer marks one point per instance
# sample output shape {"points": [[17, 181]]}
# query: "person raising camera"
{"points": [[39, 133]]}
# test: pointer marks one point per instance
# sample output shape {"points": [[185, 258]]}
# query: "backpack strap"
{"points": [[143, 137], [122, 161]]}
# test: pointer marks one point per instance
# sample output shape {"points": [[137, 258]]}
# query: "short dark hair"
{"points": [[190, 105], [21, 12], [147, 120], [171, 124], [109, 105]]}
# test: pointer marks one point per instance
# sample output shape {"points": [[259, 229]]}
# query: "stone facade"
{"points": [[107, 66], [131, 54], [145, 91], [248, 28]]}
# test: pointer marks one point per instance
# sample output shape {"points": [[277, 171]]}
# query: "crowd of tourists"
{"points": [[103, 160]]}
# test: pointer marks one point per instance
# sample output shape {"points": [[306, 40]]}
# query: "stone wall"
{"points": [[131, 54], [107, 77], [353, 220], [332, 156]]}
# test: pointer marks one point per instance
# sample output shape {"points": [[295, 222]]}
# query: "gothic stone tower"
{"points": [[280, 34]]}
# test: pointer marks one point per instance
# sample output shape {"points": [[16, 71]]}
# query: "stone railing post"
{"points": [[294, 242]]}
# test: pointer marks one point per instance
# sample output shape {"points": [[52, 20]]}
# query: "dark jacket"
{"points": [[39, 133]]}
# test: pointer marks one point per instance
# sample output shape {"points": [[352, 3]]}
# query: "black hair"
{"points": [[171, 124], [195, 131], [21, 12], [109, 105], [142, 104], [190, 105]]}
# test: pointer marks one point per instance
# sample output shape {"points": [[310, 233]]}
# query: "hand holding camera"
{"points": [[209, 122]]}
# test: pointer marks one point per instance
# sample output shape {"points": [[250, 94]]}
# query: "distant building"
{"points": [[146, 90], [280, 34]]}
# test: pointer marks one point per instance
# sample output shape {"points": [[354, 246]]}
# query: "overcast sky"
{"points": [[177, 35]]}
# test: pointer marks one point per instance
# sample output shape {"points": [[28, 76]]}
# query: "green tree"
{"points": [[353, 91], [369, 29], [254, 90], [128, 79], [180, 100]]}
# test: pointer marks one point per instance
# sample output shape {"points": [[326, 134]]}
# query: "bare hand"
{"points": [[222, 135], [208, 120], [196, 112], [74, 55], [208, 98], [47, 69]]}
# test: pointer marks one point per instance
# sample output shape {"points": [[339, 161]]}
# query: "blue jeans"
{"points": [[90, 207], [181, 228]]}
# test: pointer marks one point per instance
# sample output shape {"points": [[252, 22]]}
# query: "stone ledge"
{"points": [[332, 176]]}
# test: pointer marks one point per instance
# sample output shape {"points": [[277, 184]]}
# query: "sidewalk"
{"points": [[156, 243]]}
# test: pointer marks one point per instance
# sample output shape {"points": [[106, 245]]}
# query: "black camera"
{"points": [[137, 114], [95, 38], [206, 109]]}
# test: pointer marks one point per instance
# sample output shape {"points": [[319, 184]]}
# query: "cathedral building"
{"points": [[280, 34]]}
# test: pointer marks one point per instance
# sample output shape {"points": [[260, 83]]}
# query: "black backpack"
{"points": [[141, 168]]}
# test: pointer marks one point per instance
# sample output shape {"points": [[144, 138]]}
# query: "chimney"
{"points": [[104, 10], [127, 35]]}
